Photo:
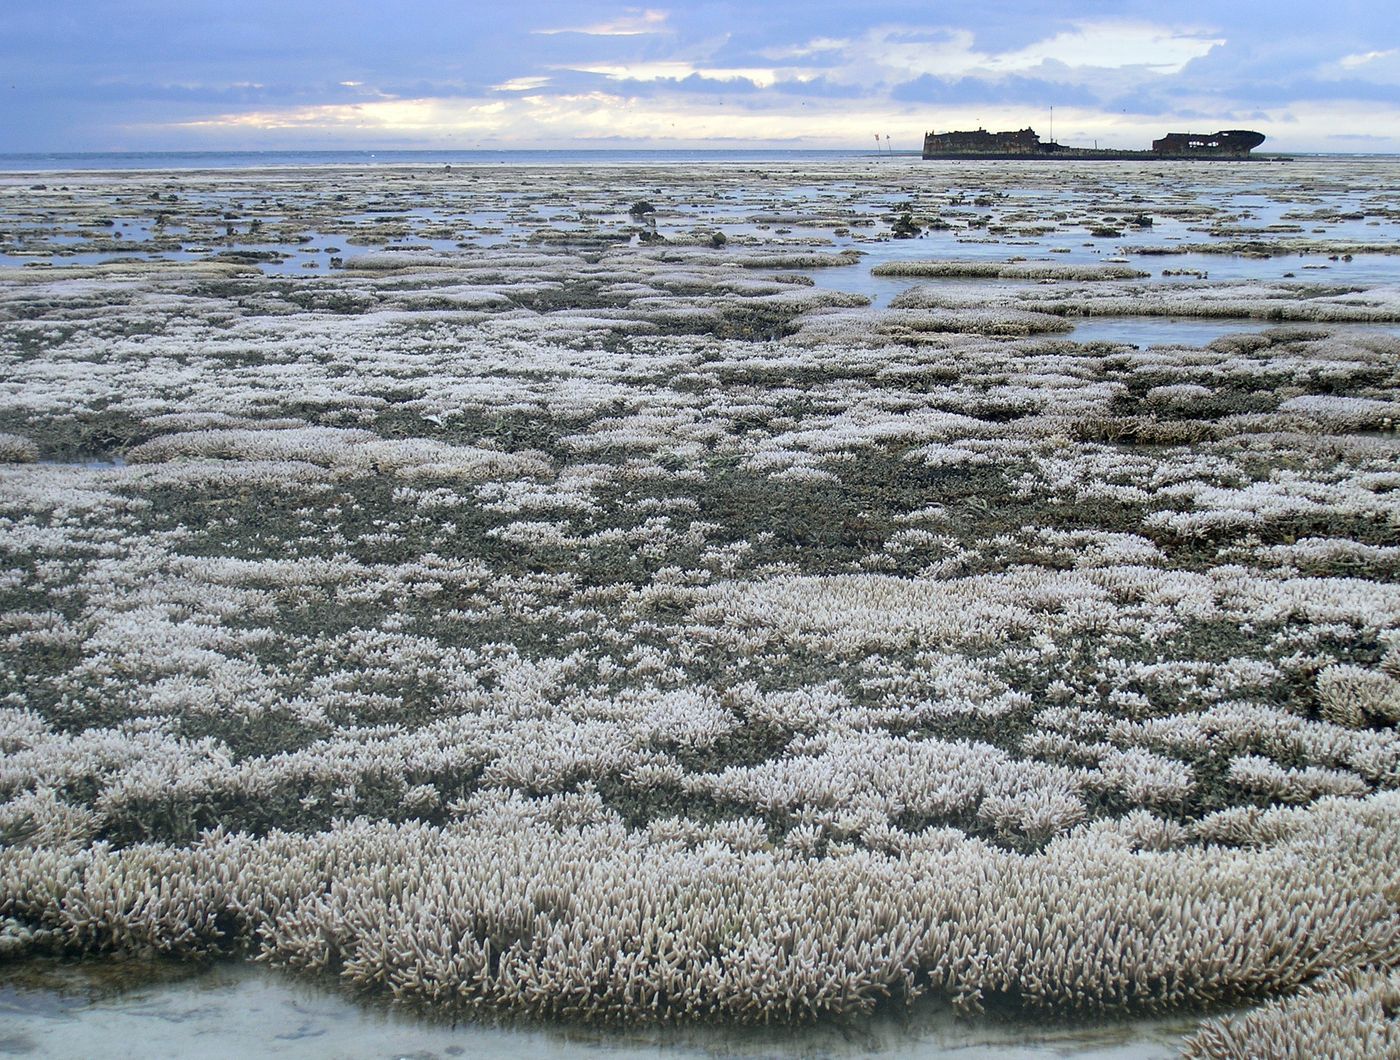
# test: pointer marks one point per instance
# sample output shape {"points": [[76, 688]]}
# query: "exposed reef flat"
{"points": [[571, 610]]}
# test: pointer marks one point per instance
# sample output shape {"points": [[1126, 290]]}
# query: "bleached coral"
{"points": [[17, 449], [1352, 695], [334, 447], [1349, 1013]]}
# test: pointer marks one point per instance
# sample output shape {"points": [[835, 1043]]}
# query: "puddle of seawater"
{"points": [[117, 1010], [91, 463], [1190, 331], [1161, 331]]}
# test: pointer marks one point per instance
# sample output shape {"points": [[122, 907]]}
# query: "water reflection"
{"points": [[1193, 331], [117, 1009]]}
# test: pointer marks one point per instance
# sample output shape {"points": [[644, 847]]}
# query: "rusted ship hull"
{"points": [[1024, 144]]}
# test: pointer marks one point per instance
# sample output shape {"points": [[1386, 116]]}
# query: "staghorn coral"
{"points": [[15, 449], [1351, 695], [553, 907], [1343, 1014]]}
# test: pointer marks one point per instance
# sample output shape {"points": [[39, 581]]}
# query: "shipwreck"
{"points": [[1024, 143]]}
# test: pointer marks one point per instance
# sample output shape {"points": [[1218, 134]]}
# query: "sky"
{"points": [[109, 75]]}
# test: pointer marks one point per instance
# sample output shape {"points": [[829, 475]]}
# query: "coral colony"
{"points": [[528, 616]]}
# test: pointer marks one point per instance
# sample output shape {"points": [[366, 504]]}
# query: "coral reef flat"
{"points": [[734, 593]]}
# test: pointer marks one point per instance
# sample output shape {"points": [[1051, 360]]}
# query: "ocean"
{"points": [[44, 161], [62, 161]]}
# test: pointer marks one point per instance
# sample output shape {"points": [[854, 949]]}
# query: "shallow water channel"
{"points": [[231, 1009]]}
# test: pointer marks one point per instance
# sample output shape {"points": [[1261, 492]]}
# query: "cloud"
{"points": [[677, 70], [909, 63], [633, 24], [383, 115], [1379, 67], [579, 118], [522, 84], [820, 46], [1111, 45], [900, 54], [1351, 62]]}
